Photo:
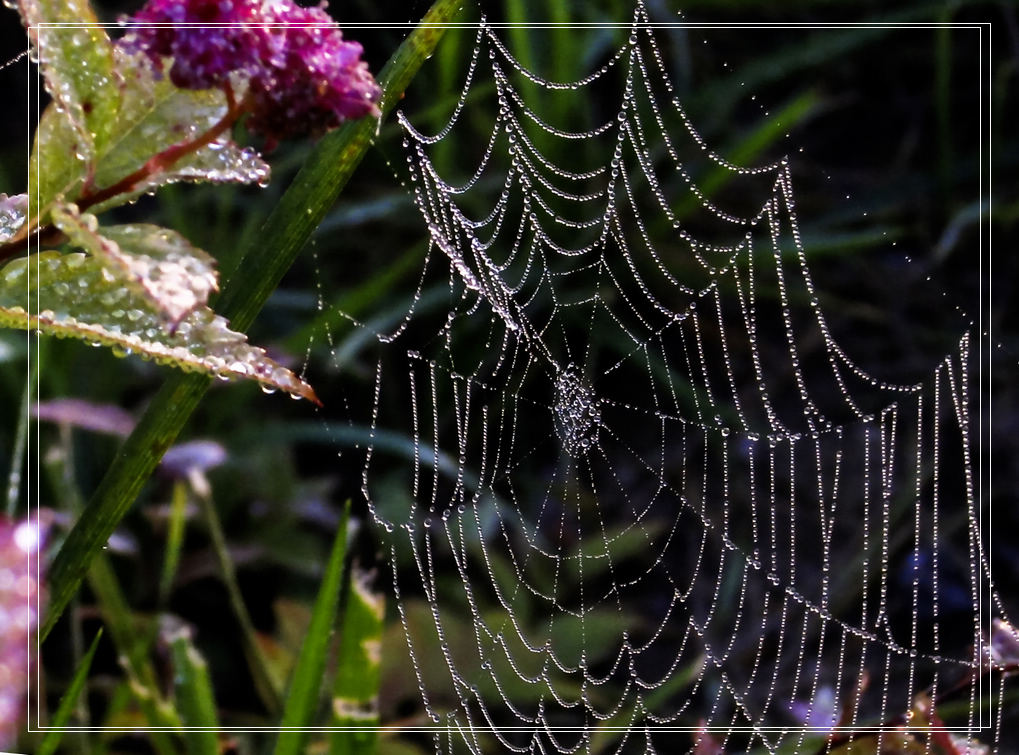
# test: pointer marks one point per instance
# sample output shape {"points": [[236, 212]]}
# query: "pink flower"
{"points": [[311, 79], [19, 592]]}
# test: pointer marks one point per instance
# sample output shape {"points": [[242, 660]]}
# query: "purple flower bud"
{"points": [[207, 39], [99, 418], [303, 76], [13, 211], [180, 460], [819, 714]]}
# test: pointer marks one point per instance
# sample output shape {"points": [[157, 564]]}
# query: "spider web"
{"points": [[619, 518]]}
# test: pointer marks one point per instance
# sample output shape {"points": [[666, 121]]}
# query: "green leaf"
{"points": [[54, 168], [55, 731], [267, 685], [152, 115], [77, 64], [358, 671], [749, 149], [193, 693], [155, 115], [270, 254], [75, 296], [594, 635], [156, 263], [306, 683]]}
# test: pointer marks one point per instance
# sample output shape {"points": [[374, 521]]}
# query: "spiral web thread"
{"points": [[619, 519]]}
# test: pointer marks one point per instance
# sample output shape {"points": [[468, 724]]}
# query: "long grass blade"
{"points": [[195, 700], [306, 683], [267, 686], [56, 732]]}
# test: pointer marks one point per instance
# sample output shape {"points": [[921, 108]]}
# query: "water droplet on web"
{"points": [[575, 412]]}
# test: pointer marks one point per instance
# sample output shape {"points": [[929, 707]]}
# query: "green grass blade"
{"points": [[266, 259], [174, 540], [306, 683], [195, 700], [358, 664], [51, 740], [267, 685]]}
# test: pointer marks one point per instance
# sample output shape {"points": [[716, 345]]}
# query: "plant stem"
{"points": [[264, 683], [266, 259], [174, 540]]}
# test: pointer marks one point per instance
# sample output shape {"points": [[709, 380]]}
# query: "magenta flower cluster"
{"points": [[19, 541], [303, 76]]}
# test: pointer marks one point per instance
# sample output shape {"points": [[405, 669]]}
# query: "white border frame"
{"points": [[984, 337]]}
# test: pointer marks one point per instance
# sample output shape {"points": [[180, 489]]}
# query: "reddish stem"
{"points": [[163, 160], [153, 166]]}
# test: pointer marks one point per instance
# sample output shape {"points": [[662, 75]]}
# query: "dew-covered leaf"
{"points": [[54, 170], [156, 262], [152, 116], [155, 115], [75, 296], [76, 57], [13, 212]]}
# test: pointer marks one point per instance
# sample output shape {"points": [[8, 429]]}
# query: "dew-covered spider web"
{"points": [[621, 519]]}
